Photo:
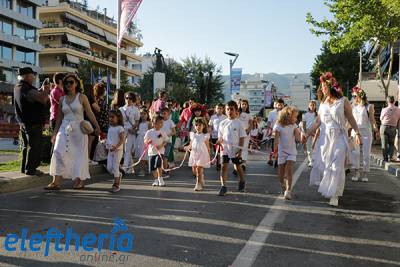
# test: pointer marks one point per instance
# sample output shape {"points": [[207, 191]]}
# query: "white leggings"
{"points": [[130, 141], [113, 161], [366, 136]]}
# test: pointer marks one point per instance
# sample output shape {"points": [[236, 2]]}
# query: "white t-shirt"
{"points": [[245, 118], [167, 127], [309, 118], [214, 122], [230, 131], [113, 136], [287, 139], [131, 114], [157, 138], [273, 117]]}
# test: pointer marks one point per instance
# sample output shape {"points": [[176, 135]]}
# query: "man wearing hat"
{"points": [[30, 104]]}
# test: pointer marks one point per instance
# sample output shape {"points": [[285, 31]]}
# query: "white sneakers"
{"points": [[161, 181], [364, 179], [155, 183], [93, 163], [287, 195], [198, 187], [357, 175], [334, 201]]}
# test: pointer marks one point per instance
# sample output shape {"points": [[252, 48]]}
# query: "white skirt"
{"points": [[334, 154], [70, 157]]}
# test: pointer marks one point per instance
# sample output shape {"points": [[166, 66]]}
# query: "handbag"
{"points": [[86, 126]]}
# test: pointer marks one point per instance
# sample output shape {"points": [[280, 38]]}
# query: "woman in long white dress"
{"points": [[70, 156], [334, 112], [363, 113]]}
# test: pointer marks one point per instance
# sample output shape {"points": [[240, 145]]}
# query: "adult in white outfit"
{"points": [[247, 121], [131, 116], [334, 112], [70, 156], [363, 113]]}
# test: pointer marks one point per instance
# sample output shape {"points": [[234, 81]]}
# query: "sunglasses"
{"points": [[128, 97], [69, 82]]}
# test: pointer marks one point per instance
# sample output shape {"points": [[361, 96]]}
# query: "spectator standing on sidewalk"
{"points": [[30, 106], [390, 117], [56, 93]]}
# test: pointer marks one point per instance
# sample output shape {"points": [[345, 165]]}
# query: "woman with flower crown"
{"points": [[363, 113], [334, 111]]}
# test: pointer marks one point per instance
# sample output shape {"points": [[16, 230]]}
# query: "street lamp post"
{"points": [[231, 63]]}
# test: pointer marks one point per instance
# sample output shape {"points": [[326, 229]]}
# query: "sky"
{"points": [[268, 35]]}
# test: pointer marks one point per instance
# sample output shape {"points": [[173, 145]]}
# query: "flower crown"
{"points": [[357, 91], [329, 80]]}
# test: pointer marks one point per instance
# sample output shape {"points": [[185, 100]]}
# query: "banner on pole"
{"points": [[236, 77], [128, 11], [268, 95]]}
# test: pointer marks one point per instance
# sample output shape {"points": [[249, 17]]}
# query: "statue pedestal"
{"points": [[158, 82]]}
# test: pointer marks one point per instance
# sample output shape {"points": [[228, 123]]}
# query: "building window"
{"points": [[25, 9], [5, 4], [5, 51], [26, 32], [5, 26], [6, 75], [25, 56]]}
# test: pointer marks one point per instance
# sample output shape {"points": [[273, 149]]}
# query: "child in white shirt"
{"points": [[156, 139], [114, 145], [286, 132], [308, 119], [169, 129], [231, 135], [131, 116], [214, 123]]}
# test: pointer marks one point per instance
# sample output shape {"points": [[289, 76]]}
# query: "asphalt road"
{"points": [[175, 226]]}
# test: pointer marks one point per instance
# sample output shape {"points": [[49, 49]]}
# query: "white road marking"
{"points": [[253, 246]]}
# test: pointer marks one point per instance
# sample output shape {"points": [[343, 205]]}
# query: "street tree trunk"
{"points": [[386, 83]]}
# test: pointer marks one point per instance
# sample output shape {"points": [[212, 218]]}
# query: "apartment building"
{"points": [[19, 46], [259, 93], [71, 32]]}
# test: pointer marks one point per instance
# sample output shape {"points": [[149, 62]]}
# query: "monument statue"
{"points": [[159, 60]]}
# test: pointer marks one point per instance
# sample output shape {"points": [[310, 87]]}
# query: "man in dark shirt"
{"points": [[30, 110]]}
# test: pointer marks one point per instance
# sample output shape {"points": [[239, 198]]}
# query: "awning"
{"points": [[95, 29], [72, 59], [78, 41], [74, 18], [111, 37]]}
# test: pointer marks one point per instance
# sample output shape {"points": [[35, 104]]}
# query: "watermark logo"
{"points": [[118, 240]]}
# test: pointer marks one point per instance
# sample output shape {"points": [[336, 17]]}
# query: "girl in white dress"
{"points": [[70, 156], [247, 121], [308, 119], [114, 145], [333, 113], [144, 126], [363, 113], [286, 132], [200, 151]]}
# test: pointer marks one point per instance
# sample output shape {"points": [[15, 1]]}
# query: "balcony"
{"points": [[88, 55], [65, 27]]}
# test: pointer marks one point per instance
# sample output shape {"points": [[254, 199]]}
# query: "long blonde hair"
{"points": [[286, 114]]}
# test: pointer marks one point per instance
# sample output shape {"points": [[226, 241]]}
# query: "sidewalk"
{"points": [[392, 167], [16, 181]]}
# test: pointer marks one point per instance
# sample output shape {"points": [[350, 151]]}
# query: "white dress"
{"points": [[318, 168], [334, 150], [143, 127], [361, 116], [199, 156], [70, 156], [245, 118]]}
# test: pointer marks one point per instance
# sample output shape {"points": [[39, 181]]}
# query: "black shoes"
{"points": [[241, 186], [222, 191], [34, 173]]}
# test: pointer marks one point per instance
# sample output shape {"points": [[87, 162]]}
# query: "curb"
{"points": [[392, 168], [14, 181]]}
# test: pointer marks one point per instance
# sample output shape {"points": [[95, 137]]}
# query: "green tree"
{"points": [[204, 79], [343, 65], [355, 22]]}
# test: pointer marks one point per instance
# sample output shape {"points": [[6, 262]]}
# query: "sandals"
{"points": [[78, 184], [53, 187], [116, 185]]}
